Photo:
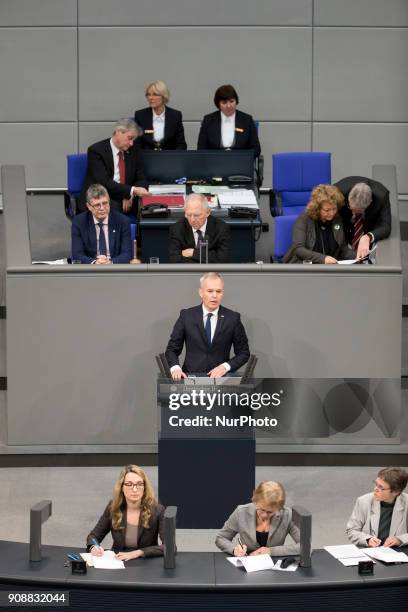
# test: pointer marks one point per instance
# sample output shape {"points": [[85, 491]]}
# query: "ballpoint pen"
{"points": [[241, 544]]}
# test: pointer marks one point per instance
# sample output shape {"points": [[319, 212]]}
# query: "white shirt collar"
{"points": [[206, 312], [201, 229], [114, 148], [96, 221], [226, 119], [160, 117]]}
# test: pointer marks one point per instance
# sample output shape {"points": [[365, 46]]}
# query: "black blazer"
{"points": [[173, 129], [377, 217], [246, 135], [147, 538], [100, 169], [200, 357], [182, 237]]}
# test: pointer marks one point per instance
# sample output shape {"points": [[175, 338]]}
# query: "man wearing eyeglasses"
{"points": [[100, 236]]}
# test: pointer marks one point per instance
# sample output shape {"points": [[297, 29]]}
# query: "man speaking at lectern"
{"points": [[209, 331]]}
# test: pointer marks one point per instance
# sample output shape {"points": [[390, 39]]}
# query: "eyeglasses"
{"points": [[154, 94], [100, 204], [134, 485], [379, 487], [268, 512]]}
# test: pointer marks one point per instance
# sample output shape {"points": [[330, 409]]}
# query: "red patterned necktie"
{"points": [[358, 231], [122, 171]]}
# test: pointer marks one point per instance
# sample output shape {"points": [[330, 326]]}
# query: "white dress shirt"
{"points": [[227, 130], [115, 154], [116, 173], [213, 323], [200, 229], [158, 126]]}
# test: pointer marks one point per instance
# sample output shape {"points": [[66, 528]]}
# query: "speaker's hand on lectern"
{"points": [[178, 374], [217, 372]]}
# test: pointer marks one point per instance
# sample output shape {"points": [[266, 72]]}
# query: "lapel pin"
{"points": [[239, 130]]}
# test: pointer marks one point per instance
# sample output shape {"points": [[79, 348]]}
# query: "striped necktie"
{"points": [[358, 230]]}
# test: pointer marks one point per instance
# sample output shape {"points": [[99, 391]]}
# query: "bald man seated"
{"points": [[198, 225]]}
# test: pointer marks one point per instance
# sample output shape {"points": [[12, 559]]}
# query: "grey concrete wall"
{"points": [[81, 345], [317, 74]]}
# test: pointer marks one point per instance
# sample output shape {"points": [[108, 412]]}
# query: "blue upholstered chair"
{"points": [[283, 235], [76, 172], [294, 176]]}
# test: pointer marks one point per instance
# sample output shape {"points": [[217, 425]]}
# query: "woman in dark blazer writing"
{"points": [[228, 128], [318, 235], [162, 126], [133, 517], [261, 526]]}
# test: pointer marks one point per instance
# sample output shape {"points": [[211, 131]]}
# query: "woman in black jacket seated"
{"points": [[228, 128], [318, 235], [133, 517], [162, 126]]}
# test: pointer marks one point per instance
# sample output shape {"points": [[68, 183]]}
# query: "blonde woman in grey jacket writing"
{"points": [[261, 526]]}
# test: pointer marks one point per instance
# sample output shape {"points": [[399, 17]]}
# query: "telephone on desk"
{"points": [[239, 180], [158, 211]]}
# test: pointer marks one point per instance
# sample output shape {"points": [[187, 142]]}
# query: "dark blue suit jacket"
{"points": [[173, 129], [246, 135], [200, 357], [84, 244]]}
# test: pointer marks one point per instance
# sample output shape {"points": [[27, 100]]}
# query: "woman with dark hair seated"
{"points": [[318, 235], [162, 126], [261, 526], [133, 517], [380, 518], [228, 128]]}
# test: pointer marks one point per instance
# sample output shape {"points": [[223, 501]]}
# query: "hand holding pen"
{"points": [[96, 548], [240, 550]]}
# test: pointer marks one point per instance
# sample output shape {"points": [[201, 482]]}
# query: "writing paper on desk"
{"points": [[107, 561], [386, 554], [211, 189], [347, 554], [237, 197], [253, 564], [261, 562], [350, 262]]}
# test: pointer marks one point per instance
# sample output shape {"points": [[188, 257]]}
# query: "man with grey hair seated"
{"points": [[116, 164], [366, 214], [198, 225], [100, 236]]}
